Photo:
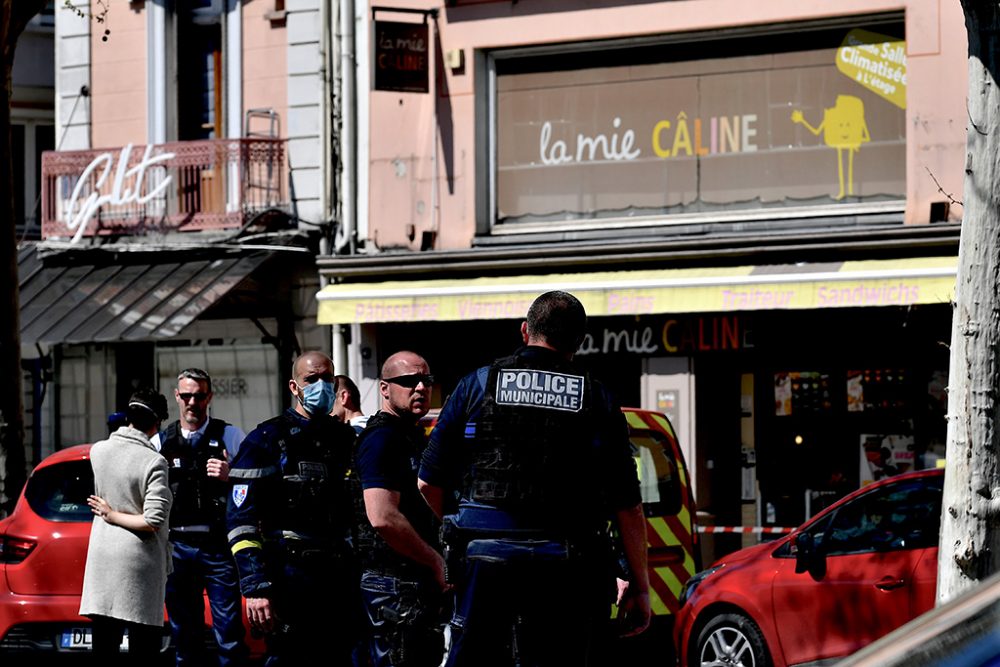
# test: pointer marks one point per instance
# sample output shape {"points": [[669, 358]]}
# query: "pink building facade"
{"points": [[758, 203]]}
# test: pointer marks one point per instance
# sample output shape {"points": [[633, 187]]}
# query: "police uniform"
{"points": [[288, 519], [401, 597], [201, 557], [539, 455]]}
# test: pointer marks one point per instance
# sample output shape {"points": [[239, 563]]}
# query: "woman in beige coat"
{"points": [[129, 557]]}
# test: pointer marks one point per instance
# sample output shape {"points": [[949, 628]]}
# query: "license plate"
{"points": [[79, 639]]}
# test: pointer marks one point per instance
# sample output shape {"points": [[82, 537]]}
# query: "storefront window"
{"points": [[734, 125]]}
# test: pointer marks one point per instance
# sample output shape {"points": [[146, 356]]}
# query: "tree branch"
{"points": [[941, 190]]}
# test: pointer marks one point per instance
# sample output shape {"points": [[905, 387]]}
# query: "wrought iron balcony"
{"points": [[183, 186]]}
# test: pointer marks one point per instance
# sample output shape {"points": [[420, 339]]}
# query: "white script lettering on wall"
{"points": [[588, 149], [126, 188]]}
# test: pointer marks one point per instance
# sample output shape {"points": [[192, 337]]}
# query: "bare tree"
{"points": [[14, 17], [970, 522]]}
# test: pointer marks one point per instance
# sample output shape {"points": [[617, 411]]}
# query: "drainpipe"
{"points": [[326, 104], [345, 230], [347, 234]]}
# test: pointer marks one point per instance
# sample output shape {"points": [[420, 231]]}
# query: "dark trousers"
{"points": [[144, 641], [315, 597], [405, 631], [203, 564], [527, 603]]}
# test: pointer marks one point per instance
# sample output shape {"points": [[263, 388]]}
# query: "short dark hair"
{"points": [[195, 374], [344, 382], [146, 407], [559, 319]]}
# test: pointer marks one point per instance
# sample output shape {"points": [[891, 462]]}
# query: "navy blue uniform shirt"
{"points": [[444, 459]]}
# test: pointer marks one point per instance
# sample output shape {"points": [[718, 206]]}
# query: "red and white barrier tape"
{"points": [[766, 530]]}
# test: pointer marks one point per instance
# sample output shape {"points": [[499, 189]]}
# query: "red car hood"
{"points": [[55, 565], [749, 552]]}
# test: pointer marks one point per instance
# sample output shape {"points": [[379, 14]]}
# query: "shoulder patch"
{"points": [[240, 493], [539, 389]]}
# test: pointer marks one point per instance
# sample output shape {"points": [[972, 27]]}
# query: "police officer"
{"points": [[288, 518], [540, 457], [198, 450], [347, 405], [402, 575]]}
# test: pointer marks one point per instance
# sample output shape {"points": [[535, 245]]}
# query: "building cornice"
{"points": [[612, 254]]}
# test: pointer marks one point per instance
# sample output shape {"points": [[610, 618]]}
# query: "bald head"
{"points": [[405, 385], [399, 363], [309, 368], [309, 361]]}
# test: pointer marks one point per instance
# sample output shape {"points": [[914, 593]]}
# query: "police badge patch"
{"points": [[540, 389], [240, 493]]}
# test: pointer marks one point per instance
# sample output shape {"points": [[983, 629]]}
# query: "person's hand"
{"points": [[622, 586], [635, 613], [100, 507], [260, 614], [218, 468]]}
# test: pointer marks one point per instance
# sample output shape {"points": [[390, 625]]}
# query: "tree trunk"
{"points": [[970, 531], [14, 16]]}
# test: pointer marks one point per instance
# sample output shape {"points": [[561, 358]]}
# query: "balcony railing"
{"points": [[176, 187]]}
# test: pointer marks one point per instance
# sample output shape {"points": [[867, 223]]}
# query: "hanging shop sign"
{"points": [[624, 139], [402, 56]]}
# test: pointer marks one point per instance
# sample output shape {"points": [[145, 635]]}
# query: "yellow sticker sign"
{"points": [[877, 62]]}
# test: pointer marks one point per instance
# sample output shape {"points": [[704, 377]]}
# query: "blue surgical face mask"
{"points": [[318, 397]]}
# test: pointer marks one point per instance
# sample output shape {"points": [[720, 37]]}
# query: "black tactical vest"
{"points": [[533, 454], [314, 458], [198, 498], [372, 550]]}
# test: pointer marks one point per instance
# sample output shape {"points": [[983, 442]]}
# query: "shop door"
{"points": [[668, 387]]}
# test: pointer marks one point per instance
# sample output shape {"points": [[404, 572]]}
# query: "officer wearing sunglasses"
{"points": [[396, 535], [198, 449]]}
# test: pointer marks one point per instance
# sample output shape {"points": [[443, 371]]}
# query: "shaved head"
{"points": [[309, 360], [405, 385]]}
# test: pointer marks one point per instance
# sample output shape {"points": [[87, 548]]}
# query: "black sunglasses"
{"points": [[198, 396], [411, 381]]}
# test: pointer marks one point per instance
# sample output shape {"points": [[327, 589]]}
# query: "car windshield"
{"points": [[658, 481], [59, 492]]}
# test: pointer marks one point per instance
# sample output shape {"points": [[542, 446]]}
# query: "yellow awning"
{"points": [[892, 282]]}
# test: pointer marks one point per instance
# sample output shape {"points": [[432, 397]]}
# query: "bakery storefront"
{"points": [[714, 199], [789, 385]]}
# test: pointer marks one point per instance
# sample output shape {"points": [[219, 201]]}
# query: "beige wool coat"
{"points": [[126, 572]]}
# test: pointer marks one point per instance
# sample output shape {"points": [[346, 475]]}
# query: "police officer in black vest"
{"points": [[288, 520], [539, 454], [198, 450], [402, 572]]}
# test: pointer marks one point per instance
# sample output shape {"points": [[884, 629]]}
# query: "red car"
{"points": [[859, 569], [43, 550]]}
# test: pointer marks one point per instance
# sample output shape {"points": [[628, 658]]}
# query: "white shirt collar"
{"points": [[199, 432]]}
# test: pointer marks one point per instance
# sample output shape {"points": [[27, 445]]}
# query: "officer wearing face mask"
{"points": [[288, 518]]}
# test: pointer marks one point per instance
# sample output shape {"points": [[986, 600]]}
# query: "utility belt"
{"points": [[301, 548], [510, 545]]}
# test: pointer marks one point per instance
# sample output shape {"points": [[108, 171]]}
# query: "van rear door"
{"points": [[668, 504]]}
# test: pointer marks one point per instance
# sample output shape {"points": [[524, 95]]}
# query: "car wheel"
{"points": [[731, 640]]}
